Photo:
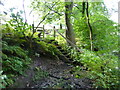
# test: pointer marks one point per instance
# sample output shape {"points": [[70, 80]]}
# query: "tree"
{"points": [[54, 11], [89, 26], [69, 32]]}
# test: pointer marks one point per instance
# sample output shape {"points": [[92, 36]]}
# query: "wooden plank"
{"points": [[54, 32], [39, 30], [43, 32], [38, 27]]}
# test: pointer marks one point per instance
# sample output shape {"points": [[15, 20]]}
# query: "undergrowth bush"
{"points": [[14, 61], [50, 48], [102, 67]]}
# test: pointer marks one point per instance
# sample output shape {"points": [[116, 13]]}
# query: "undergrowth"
{"points": [[102, 68], [48, 48], [14, 61]]}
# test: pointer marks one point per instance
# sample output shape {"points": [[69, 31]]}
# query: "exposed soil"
{"points": [[59, 75]]}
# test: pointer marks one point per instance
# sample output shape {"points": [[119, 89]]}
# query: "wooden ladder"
{"points": [[41, 31], [65, 56]]}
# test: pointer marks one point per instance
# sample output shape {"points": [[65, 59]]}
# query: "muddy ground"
{"points": [[50, 72]]}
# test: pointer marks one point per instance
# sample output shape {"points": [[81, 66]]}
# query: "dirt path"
{"points": [[57, 73]]}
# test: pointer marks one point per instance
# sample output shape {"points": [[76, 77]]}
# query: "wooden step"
{"points": [[50, 41], [56, 43], [64, 53], [77, 63], [59, 47], [68, 57], [38, 27], [71, 59], [39, 30], [62, 50]]}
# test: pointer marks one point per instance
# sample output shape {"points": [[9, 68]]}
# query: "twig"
{"points": [[24, 11], [44, 18], [69, 41]]}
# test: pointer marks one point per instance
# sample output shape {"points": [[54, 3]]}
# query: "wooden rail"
{"points": [[41, 31], [69, 42], [54, 35]]}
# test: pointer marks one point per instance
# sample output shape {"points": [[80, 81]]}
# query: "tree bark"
{"points": [[90, 28], [69, 32], [83, 8]]}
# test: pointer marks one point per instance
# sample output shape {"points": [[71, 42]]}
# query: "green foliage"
{"points": [[14, 60], [105, 36], [50, 48], [2, 80], [61, 40], [72, 52], [43, 46], [102, 65], [104, 31], [51, 11], [48, 39], [13, 50], [102, 68], [16, 25]]}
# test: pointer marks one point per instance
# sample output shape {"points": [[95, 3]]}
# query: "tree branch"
{"points": [[54, 10], [24, 11], [44, 18]]}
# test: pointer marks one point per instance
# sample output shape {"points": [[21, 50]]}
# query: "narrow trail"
{"points": [[59, 75]]}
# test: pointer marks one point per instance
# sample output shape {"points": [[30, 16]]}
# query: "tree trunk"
{"points": [[90, 28], [69, 32], [83, 8]]}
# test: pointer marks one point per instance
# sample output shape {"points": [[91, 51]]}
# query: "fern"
{"points": [[2, 80], [14, 60]]}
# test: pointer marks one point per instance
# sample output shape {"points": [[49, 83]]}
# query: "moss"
{"points": [[43, 45], [52, 48], [48, 48]]}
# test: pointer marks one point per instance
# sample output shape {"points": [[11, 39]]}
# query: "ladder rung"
{"points": [[39, 30], [38, 27]]}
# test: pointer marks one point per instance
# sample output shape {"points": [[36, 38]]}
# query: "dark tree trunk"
{"points": [[83, 9], [90, 27], [69, 32]]}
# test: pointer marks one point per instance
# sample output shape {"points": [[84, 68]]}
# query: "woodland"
{"points": [[80, 51]]}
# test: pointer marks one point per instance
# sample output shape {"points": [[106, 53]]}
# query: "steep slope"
{"points": [[49, 72]]}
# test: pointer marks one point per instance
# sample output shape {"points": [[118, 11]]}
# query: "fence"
{"points": [[42, 32]]}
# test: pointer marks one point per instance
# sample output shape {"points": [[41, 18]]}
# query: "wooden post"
{"points": [[33, 28], [43, 31], [60, 26], [54, 32]]}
